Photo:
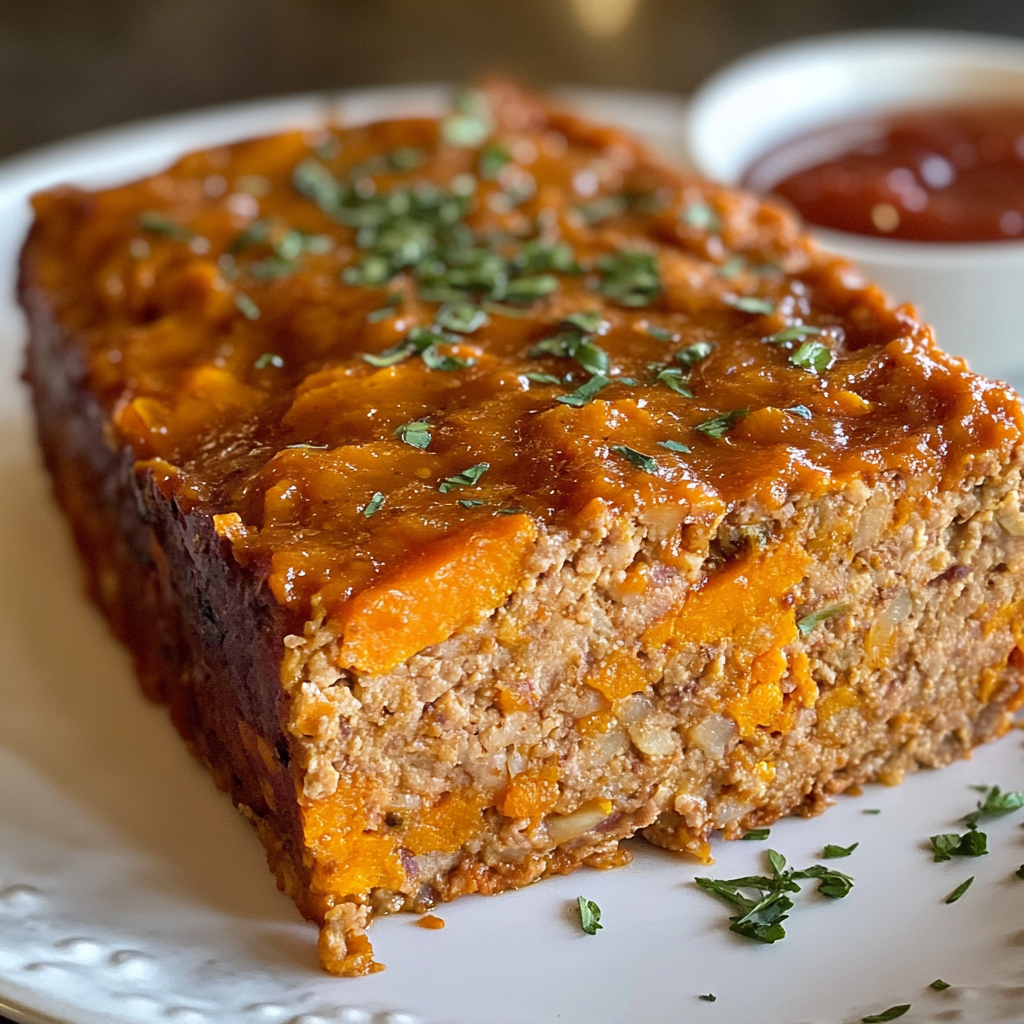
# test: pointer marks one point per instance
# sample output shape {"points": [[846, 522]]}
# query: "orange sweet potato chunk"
{"points": [[449, 585]]}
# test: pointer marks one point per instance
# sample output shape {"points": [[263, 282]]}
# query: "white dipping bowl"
{"points": [[972, 293]]}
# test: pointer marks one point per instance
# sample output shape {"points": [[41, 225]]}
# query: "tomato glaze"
{"points": [[929, 175]]}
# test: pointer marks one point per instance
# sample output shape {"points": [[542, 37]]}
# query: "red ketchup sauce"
{"points": [[949, 174]]}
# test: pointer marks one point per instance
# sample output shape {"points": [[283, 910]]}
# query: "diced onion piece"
{"points": [[565, 827], [712, 735]]}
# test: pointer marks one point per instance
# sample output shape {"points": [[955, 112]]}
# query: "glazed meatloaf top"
{"points": [[384, 356]]}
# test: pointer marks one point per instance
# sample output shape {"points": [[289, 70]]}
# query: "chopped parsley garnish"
{"points": [[471, 502], [831, 852], [761, 918], [575, 340], [693, 354], [813, 356], [719, 426], [886, 1015], [543, 378], [809, 623], [384, 313], [422, 341], [493, 157], [702, 217], [246, 306], [585, 393], [939, 985], [434, 360], [405, 158], [660, 333], [589, 321], [800, 410], [1020, 871], [630, 277], [462, 317], [872, 810], [602, 208], [756, 834], [959, 891], [467, 478], [731, 267], [540, 254], [415, 433], [373, 505], [675, 446], [590, 915], [470, 123], [254, 233], [798, 332], [529, 289], [160, 224], [268, 359], [710, 997], [638, 459], [674, 378], [948, 845], [995, 805], [750, 304]]}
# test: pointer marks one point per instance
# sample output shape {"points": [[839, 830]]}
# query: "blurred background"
{"points": [[69, 66]]}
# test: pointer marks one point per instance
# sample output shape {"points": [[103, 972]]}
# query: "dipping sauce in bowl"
{"points": [[948, 174]]}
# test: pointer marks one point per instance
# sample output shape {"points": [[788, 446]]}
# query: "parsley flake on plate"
{"points": [[471, 502], [590, 915], [831, 852], [995, 805], [948, 845], [1020, 871], [374, 504], [638, 459], [809, 623], [756, 834], [939, 985], [467, 478], [709, 997], [761, 918], [675, 446], [886, 1015], [959, 891]]}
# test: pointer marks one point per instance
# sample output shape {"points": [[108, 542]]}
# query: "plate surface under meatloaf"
{"points": [[479, 492]]}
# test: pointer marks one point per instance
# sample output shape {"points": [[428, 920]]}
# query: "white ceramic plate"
{"points": [[131, 892]]}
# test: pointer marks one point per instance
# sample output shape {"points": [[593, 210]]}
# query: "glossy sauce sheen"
{"points": [[935, 175], [230, 352]]}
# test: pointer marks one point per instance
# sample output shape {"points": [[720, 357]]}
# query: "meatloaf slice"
{"points": [[479, 491]]}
